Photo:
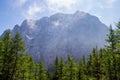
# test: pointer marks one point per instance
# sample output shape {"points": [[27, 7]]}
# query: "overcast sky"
{"points": [[15, 11]]}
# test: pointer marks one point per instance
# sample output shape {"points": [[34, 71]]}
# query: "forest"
{"points": [[101, 64]]}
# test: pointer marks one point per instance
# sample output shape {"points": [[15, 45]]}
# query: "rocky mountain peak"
{"points": [[61, 34]]}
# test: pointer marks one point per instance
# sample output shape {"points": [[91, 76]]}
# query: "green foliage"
{"points": [[42, 72], [56, 67], [1, 55], [80, 71], [71, 69], [7, 61], [111, 40]]}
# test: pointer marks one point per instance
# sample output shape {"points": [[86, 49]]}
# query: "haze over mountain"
{"points": [[62, 34]]}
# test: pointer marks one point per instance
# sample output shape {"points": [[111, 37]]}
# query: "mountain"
{"points": [[62, 34]]}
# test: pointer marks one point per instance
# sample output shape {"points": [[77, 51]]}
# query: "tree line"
{"points": [[101, 64]]}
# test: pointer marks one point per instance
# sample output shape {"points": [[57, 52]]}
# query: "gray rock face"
{"points": [[62, 34]]}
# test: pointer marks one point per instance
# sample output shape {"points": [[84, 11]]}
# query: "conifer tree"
{"points": [[80, 71], [56, 69], [18, 47], [117, 31], [42, 72], [1, 56], [111, 40], [71, 69], [61, 74], [30, 68], [112, 48], [7, 57]]}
